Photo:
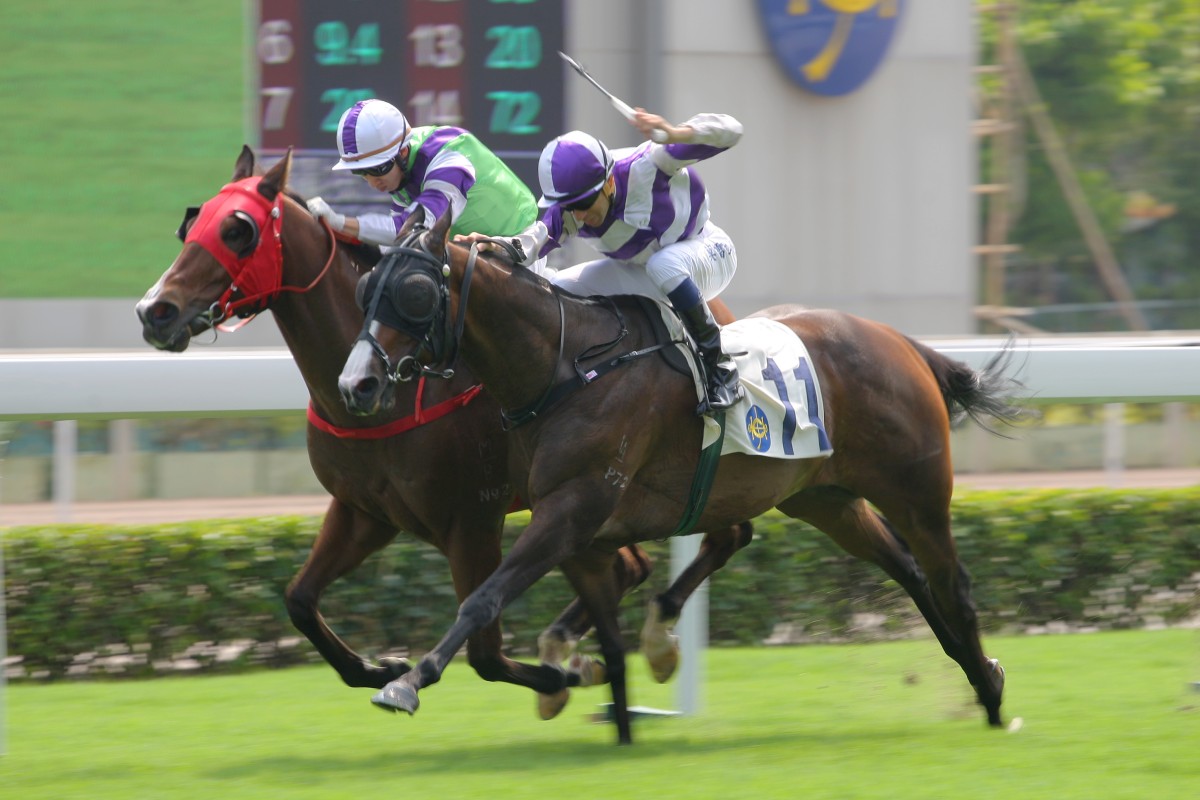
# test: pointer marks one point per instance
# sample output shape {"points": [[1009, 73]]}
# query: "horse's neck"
{"points": [[319, 327], [511, 338]]}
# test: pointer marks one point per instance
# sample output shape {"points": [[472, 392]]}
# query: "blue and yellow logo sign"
{"points": [[830, 47], [758, 429]]}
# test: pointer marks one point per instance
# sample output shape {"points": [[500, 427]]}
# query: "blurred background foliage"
{"points": [[82, 602], [1121, 81]]}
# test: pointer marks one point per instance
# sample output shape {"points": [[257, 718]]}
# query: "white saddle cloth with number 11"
{"points": [[782, 414]]}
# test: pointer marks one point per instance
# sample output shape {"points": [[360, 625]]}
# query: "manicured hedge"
{"points": [[139, 600]]}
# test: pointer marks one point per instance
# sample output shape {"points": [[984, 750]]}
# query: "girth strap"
{"points": [[702, 481]]}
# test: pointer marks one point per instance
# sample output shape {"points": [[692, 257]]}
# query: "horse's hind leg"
{"points": [[345, 540], [930, 573], [631, 566], [659, 645], [930, 540]]}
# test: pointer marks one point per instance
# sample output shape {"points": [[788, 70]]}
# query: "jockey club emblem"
{"points": [[758, 429], [830, 47]]}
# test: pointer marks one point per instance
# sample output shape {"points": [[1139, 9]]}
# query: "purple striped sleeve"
{"points": [[694, 152], [553, 220], [435, 204]]}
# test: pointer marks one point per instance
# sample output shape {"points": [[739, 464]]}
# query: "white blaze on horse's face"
{"points": [[363, 384]]}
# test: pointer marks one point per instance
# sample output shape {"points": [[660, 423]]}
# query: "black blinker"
{"points": [[415, 297], [365, 287]]}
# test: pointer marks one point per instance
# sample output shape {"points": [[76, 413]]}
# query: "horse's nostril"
{"points": [[163, 312], [367, 387]]}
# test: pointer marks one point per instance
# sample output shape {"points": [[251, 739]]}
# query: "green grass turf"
{"points": [[1105, 716], [116, 116]]}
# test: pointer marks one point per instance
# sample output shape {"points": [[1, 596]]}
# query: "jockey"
{"points": [[646, 210], [436, 167]]}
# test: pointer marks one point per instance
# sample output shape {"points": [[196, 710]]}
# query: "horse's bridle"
{"points": [[409, 291], [256, 271]]}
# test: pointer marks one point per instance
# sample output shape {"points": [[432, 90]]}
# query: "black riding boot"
{"points": [[724, 388]]}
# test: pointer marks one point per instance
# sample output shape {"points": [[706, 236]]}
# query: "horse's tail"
{"points": [[979, 394]]}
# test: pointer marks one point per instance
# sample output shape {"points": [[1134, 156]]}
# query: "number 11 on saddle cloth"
{"points": [[782, 414]]}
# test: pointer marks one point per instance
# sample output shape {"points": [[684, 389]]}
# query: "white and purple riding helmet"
{"points": [[571, 167], [370, 133]]}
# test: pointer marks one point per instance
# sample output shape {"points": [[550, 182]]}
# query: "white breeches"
{"points": [[708, 258]]}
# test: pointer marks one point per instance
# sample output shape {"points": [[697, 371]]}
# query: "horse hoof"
{"points": [[397, 697], [591, 671], [997, 676], [551, 705], [395, 667], [554, 648], [997, 673], [663, 661], [659, 645]]}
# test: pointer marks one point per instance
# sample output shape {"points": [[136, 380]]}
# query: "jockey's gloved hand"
{"points": [[321, 210]]}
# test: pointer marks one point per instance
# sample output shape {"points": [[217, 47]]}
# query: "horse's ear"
{"points": [[276, 178], [244, 167], [441, 230], [414, 220]]}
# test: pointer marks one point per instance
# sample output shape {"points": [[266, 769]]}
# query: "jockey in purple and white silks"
{"points": [[435, 167], [647, 210]]}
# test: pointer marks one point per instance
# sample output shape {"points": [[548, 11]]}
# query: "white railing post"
{"points": [[63, 467], [692, 628], [1114, 443]]}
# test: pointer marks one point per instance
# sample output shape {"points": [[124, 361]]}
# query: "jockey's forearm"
{"points": [[372, 228]]}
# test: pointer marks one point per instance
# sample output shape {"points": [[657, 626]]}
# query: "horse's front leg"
{"points": [[345, 540], [543, 545], [631, 566], [472, 559], [592, 577]]}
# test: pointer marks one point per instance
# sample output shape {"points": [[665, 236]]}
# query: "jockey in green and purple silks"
{"points": [[435, 167]]}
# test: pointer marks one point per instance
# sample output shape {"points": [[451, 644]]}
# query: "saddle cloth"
{"points": [[782, 413]]}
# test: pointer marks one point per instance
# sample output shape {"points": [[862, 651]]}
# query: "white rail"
{"points": [[40, 385]]}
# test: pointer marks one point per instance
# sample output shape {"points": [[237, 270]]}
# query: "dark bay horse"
{"points": [[440, 474], [611, 464]]}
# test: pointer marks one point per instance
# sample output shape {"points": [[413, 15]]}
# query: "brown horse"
{"points": [[612, 464], [446, 481]]}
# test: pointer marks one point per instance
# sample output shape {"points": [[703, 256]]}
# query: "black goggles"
{"points": [[583, 203], [377, 171]]}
